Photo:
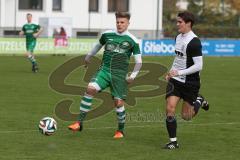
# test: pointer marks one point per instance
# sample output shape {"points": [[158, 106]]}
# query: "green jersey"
{"points": [[118, 49], [29, 29]]}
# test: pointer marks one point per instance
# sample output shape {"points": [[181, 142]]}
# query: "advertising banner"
{"points": [[163, 47], [210, 47], [47, 46]]}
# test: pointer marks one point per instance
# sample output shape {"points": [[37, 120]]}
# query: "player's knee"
{"points": [[118, 102], [186, 116], [28, 54], [170, 109]]}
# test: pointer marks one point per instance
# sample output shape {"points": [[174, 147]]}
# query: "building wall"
{"points": [[143, 12]]}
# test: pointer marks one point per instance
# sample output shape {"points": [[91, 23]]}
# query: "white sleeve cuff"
{"points": [[137, 67]]}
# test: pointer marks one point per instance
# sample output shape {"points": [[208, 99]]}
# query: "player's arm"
{"points": [[195, 50], [196, 67], [137, 67], [22, 32], [93, 52], [95, 49], [39, 31], [138, 61]]}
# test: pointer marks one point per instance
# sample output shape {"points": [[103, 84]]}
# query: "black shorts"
{"points": [[188, 92]]}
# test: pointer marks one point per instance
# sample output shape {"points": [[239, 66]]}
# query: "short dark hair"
{"points": [[29, 14], [123, 15], [187, 17]]}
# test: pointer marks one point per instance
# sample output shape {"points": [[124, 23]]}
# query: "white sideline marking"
{"points": [[142, 126]]}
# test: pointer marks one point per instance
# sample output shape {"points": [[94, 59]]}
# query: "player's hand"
{"points": [[21, 33], [87, 62], [129, 80], [35, 35], [167, 77], [173, 73]]}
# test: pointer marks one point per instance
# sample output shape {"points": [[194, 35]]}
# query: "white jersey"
{"points": [[187, 46]]}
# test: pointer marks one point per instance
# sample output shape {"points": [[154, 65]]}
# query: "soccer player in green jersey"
{"points": [[31, 31], [119, 45]]}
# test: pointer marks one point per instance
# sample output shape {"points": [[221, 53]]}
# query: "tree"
{"points": [[215, 12], [235, 4], [215, 18], [170, 10], [169, 17]]}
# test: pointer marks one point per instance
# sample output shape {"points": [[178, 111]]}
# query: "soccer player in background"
{"points": [[119, 45], [184, 77], [31, 31]]}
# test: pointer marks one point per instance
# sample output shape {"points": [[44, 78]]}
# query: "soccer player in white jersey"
{"points": [[184, 77], [119, 45]]}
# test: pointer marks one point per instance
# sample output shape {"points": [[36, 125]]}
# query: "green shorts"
{"points": [[116, 82], [30, 46]]}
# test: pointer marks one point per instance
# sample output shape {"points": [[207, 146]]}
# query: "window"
{"points": [[57, 5], [93, 6], [30, 4], [118, 5], [87, 34], [10, 33]]}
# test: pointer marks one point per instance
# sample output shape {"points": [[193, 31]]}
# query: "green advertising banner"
{"points": [[46, 46]]}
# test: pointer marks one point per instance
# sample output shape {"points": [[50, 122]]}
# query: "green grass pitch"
{"points": [[25, 98]]}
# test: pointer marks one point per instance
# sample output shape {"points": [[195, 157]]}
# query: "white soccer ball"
{"points": [[47, 126]]}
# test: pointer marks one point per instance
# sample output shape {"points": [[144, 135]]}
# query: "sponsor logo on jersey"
{"points": [[29, 31], [117, 48], [110, 47], [125, 45]]}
